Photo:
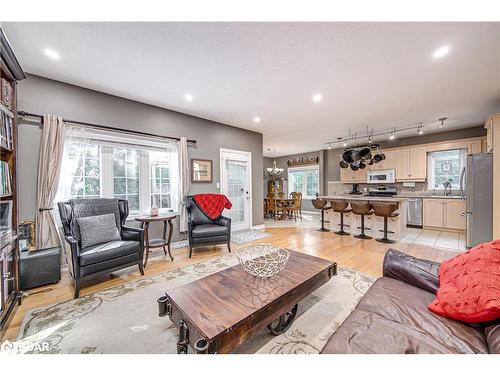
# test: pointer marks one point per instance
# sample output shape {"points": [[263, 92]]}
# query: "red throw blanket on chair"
{"points": [[212, 205]]}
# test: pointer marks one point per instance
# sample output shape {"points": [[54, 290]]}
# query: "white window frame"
{"points": [[106, 170], [304, 186], [430, 170]]}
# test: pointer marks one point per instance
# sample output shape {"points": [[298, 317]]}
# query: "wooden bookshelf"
{"points": [[10, 74]]}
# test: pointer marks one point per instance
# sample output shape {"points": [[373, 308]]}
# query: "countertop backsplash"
{"points": [[340, 188]]}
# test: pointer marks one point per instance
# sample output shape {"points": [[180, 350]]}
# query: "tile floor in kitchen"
{"points": [[435, 238]]}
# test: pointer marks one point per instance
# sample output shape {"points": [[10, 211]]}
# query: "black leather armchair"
{"points": [[86, 263], [204, 231]]}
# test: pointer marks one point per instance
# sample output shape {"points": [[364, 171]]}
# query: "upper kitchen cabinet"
{"points": [[411, 163], [475, 147], [388, 163], [492, 125], [418, 163], [350, 176]]}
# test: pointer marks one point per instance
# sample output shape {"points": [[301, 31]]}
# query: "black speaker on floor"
{"points": [[40, 267]]}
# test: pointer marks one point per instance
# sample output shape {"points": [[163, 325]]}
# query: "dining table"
{"points": [[282, 202]]}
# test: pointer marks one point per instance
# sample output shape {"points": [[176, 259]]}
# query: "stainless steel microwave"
{"points": [[385, 176]]}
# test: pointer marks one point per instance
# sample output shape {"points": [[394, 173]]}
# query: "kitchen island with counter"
{"points": [[374, 225]]}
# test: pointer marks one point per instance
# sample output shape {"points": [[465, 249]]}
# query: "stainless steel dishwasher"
{"points": [[414, 212]]}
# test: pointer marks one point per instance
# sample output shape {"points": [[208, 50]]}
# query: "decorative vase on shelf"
{"points": [[154, 211]]}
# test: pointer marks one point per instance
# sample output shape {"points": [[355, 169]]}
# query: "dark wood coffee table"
{"points": [[218, 313]]}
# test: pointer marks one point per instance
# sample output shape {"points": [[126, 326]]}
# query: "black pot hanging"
{"points": [[347, 157], [365, 153]]}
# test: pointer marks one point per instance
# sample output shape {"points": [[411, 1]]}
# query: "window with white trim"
{"points": [[160, 179], [445, 166], [105, 164], [304, 180]]}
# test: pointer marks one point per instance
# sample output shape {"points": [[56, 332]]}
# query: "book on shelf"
{"points": [[5, 178], [6, 93], [6, 140]]}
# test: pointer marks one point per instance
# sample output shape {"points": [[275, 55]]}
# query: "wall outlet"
{"points": [[218, 185]]}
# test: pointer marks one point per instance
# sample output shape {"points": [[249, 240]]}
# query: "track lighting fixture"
{"points": [[420, 129], [393, 135], [370, 135], [442, 122]]}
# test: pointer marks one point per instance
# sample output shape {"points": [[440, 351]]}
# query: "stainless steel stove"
{"points": [[382, 191]]}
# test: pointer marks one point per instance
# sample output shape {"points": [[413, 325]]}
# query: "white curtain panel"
{"points": [[49, 170], [184, 181]]}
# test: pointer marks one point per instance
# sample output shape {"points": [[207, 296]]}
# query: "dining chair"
{"points": [[274, 207], [297, 204]]}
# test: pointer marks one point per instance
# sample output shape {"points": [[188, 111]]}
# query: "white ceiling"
{"points": [[376, 74]]}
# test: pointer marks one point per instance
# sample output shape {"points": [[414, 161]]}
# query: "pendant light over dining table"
{"points": [[274, 171]]}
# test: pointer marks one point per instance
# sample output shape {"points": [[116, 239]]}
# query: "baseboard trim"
{"points": [[311, 212], [257, 227]]}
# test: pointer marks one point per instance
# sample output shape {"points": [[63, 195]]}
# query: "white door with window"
{"points": [[236, 183]]}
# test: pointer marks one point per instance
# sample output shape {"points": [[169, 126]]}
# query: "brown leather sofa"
{"points": [[392, 317]]}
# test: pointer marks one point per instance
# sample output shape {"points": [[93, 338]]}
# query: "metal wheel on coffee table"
{"points": [[284, 322]]}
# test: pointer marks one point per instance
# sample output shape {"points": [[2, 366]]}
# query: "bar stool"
{"points": [[385, 210], [320, 204], [363, 209], [341, 207]]}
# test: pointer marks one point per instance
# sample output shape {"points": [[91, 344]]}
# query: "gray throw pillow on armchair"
{"points": [[98, 229]]}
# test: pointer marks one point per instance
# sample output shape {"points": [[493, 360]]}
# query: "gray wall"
{"points": [[281, 162], [42, 95]]}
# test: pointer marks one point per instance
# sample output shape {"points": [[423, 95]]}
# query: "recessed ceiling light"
{"points": [[440, 52], [188, 98], [256, 119], [317, 97], [54, 55]]}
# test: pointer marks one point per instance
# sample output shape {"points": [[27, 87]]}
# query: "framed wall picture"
{"points": [[201, 170]]}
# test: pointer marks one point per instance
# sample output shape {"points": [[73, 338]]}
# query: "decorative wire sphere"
{"points": [[262, 260]]}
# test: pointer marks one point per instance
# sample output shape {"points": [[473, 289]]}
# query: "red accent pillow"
{"points": [[469, 285]]}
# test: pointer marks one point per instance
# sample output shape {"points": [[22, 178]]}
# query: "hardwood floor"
{"points": [[361, 255]]}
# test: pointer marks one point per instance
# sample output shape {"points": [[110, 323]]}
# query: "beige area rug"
{"points": [[124, 319]]}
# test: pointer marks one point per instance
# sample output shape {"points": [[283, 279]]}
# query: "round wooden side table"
{"points": [[163, 242]]}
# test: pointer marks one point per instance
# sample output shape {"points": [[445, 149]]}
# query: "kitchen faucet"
{"points": [[447, 185]]}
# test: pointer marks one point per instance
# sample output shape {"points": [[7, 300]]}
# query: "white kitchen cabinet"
{"points": [[475, 147], [418, 163], [433, 213], [403, 164], [411, 163], [350, 176], [454, 217], [444, 213], [388, 163]]}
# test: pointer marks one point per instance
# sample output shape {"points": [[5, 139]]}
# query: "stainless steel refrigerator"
{"points": [[476, 186]]}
